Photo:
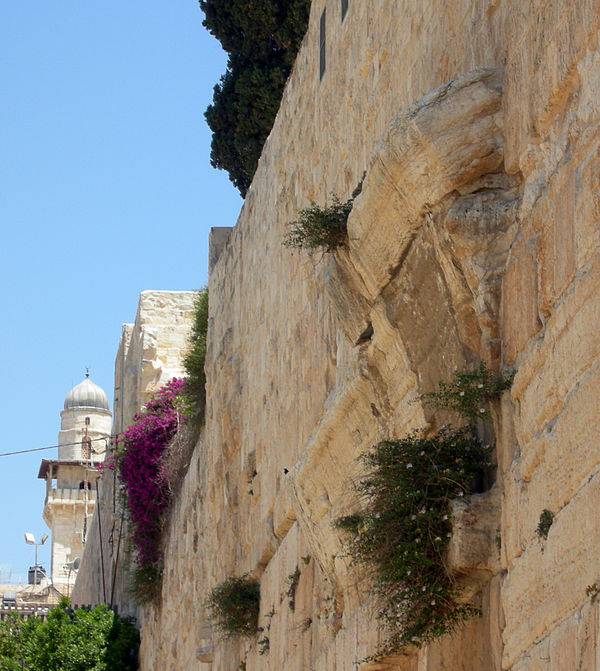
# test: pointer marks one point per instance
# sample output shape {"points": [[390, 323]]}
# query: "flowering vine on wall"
{"points": [[140, 473], [139, 462]]}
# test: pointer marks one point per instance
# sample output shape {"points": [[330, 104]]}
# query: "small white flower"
{"points": [[422, 452], [461, 393], [438, 539], [423, 589], [417, 540], [409, 465], [408, 572], [433, 603], [481, 409], [445, 517], [480, 386], [461, 493]]}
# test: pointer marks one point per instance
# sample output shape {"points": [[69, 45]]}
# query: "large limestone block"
{"points": [[548, 582], [520, 318], [473, 547], [541, 69], [542, 389], [447, 139]]}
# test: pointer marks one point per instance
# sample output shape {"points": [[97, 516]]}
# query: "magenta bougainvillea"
{"points": [[139, 464]]}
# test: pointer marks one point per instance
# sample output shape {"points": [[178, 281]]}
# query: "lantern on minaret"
{"points": [[85, 424]]}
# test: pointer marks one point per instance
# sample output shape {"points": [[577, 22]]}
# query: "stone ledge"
{"points": [[473, 554]]}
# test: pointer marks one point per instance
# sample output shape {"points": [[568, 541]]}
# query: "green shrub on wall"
{"points": [[404, 527], [234, 605], [546, 521], [324, 227], [320, 226], [194, 392], [470, 392]]}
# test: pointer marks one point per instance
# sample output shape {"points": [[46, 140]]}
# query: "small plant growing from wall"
{"points": [[546, 520], [404, 527], [470, 392], [593, 591], [264, 645], [146, 582], [234, 605], [324, 227], [293, 579], [317, 226], [306, 624]]}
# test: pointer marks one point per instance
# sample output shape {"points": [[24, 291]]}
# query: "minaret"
{"points": [[85, 424]]}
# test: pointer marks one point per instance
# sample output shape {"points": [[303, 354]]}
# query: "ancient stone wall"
{"points": [[475, 124]]}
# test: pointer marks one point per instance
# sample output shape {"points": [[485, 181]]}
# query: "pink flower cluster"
{"points": [[140, 473], [108, 464]]}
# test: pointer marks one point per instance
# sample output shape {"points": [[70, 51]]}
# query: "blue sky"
{"points": [[105, 190]]}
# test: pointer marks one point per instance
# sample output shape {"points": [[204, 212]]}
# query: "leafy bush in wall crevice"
{"points": [[402, 528], [234, 605]]}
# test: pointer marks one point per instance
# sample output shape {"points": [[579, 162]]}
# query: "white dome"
{"points": [[86, 395]]}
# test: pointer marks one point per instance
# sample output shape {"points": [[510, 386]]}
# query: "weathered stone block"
{"points": [[520, 320]]}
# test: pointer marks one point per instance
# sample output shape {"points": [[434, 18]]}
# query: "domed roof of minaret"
{"points": [[86, 395]]}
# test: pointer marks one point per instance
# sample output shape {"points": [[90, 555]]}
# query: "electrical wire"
{"points": [[51, 447]]}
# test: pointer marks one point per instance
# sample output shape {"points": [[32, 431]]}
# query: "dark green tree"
{"points": [[17, 640], [262, 39]]}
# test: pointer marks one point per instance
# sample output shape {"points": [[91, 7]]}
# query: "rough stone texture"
{"points": [[217, 239], [476, 236]]}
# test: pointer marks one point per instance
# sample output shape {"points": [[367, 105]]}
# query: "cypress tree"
{"points": [[262, 38]]}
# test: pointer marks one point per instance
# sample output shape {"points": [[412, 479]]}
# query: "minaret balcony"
{"points": [[67, 496]]}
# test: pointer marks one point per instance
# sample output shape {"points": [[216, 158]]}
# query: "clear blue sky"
{"points": [[105, 190]]}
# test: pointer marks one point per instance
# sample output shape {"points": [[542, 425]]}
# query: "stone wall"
{"points": [[475, 237], [150, 354]]}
